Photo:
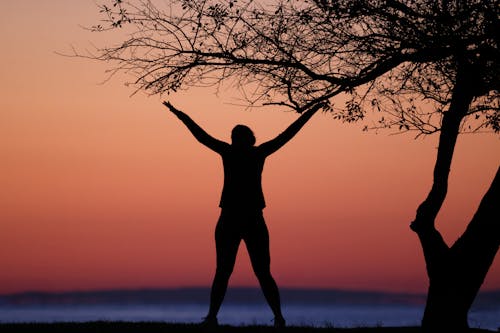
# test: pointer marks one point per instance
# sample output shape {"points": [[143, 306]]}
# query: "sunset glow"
{"points": [[105, 190]]}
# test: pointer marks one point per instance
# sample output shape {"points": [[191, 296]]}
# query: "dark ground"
{"points": [[156, 327]]}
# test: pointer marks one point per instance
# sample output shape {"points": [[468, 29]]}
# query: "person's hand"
{"points": [[170, 106]]}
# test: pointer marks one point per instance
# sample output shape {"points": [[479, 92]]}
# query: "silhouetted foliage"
{"points": [[400, 57], [422, 65]]}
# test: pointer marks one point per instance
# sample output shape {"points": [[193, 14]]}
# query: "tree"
{"points": [[420, 65]]}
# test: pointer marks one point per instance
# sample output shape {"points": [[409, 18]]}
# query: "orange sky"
{"points": [[103, 190]]}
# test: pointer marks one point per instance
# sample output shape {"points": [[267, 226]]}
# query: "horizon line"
{"points": [[200, 287]]}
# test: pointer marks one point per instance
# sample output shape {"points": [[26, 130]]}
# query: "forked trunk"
{"points": [[456, 282], [456, 273]]}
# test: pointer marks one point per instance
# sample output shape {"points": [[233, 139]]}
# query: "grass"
{"points": [[158, 327]]}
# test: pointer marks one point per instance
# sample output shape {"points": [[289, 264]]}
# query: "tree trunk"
{"points": [[456, 282], [456, 273]]}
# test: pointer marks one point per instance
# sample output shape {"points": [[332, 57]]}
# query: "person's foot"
{"points": [[209, 322], [279, 322]]}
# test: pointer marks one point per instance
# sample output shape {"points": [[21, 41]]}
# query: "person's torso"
{"points": [[242, 179]]}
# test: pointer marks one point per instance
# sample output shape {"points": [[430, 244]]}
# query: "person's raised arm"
{"points": [[198, 132], [273, 145]]}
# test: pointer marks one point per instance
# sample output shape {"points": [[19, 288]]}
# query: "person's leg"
{"points": [[257, 243], [226, 244]]}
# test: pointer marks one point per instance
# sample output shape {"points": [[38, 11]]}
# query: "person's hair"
{"points": [[242, 136]]}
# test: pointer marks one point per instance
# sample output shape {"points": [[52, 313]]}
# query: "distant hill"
{"points": [[236, 295]]}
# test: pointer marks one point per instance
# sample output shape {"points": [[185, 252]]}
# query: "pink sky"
{"points": [[104, 190]]}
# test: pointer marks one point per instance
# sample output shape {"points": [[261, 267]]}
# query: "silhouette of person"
{"points": [[241, 203]]}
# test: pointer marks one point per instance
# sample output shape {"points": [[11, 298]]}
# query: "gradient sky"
{"points": [[103, 190]]}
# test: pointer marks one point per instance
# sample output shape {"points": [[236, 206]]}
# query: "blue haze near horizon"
{"points": [[242, 306]]}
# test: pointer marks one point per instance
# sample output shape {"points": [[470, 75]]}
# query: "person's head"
{"points": [[242, 136]]}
